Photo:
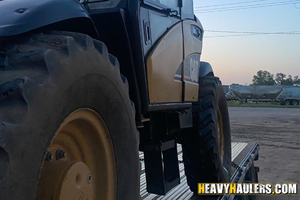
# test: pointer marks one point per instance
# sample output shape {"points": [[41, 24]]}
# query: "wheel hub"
{"points": [[72, 180], [79, 163]]}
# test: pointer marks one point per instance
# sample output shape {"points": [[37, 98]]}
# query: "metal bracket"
{"points": [[186, 119]]}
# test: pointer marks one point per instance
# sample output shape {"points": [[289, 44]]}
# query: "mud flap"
{"points": [[161, 166]]}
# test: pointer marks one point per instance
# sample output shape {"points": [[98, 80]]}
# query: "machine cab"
{"points": [[172, 47]]}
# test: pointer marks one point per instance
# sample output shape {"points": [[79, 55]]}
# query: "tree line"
{"points": [[266, 78]]}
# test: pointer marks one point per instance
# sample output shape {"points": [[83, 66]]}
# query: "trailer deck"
{"points": [[243, 155]]}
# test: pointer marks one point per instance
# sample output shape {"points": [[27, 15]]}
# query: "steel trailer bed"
{"points": [[243, 155]]}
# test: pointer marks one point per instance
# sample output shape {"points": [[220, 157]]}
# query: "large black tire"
{"points": [[44, 78], [287, 102], [203, 160], [294, 102], [251, 177]]}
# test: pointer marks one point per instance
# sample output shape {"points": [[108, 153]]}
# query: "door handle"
{"points": [[147, 32]]}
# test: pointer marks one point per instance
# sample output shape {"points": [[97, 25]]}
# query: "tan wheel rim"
{"points": [[85, 168], [220, 135]]}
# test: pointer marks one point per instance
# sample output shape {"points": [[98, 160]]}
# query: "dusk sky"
{"points": [[272, 41]]}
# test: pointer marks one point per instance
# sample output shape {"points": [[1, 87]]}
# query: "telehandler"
{"points": [[85, 85]]}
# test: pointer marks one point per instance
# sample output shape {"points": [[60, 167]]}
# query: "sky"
{"points": [[237, 58]]}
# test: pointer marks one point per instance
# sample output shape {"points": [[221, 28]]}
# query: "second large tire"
{"points": [[207, 146]]}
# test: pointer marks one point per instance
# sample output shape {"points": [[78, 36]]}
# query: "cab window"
{"points": [[164, 3]]}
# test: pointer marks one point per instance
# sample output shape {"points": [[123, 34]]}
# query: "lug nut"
{"points": [[60, 154], [89, 178], [49, 156]]}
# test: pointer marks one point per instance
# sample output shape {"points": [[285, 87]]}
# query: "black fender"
{"points": [[205, 68], [20, 16]]}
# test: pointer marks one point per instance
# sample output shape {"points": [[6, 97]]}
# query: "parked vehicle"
{"points": [[286, 95], [290, 95]]}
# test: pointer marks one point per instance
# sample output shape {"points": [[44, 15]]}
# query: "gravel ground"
{"points": [[277, 130]]}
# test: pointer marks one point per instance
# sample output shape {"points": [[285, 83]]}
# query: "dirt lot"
{"points": [[277, 130]]}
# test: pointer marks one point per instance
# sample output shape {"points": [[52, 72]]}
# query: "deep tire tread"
{"points": [[25, 69], [200, 149]]}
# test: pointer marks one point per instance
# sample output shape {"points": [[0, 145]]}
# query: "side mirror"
{"points": [[180, 3]]}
